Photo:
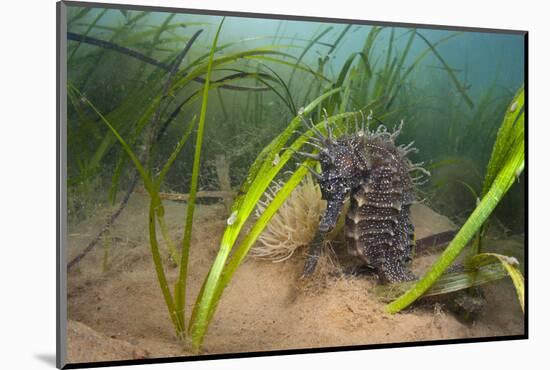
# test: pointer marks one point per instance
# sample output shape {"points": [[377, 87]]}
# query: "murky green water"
{"points": [[451, 88]]}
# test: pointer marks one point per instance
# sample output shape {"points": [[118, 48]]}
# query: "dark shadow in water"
{"points": [[47, 358]]}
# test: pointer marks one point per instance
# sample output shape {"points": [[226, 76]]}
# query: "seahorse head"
{"points": [[342, 169], [338, 176]]}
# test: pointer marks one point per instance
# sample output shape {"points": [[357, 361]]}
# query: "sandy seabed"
{"points": [[120, 314]]}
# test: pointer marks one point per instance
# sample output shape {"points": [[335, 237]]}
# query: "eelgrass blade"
{"points": [[423, 55], [341, 80], [444, 163], [366, 76], [81, 14], [159, 268], [124, 119], [220, 48], [289, 101], [145, 176], [449, 70], [320, 76], [395, 77], [155, 41], [154, 207], [176, 152], [470, 188], [137, 38], [339, 39], [94, 59], [304, 52], [90, 27], [448, 283], [174, 66], [172, 251], [184, 78], [347, 65], [218, 84], [182, 278], [473, 132], [510, 131], [242, 250], [174, 254], [212, 286], [390, 49], [500, 186], [255, 53], [511, 266], [71, 36], [145, 117], [153, 137]]}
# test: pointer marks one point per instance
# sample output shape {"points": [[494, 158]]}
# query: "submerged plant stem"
{"points": [[180, 289], [449, 70], [263, 172], [157, 260], [252, 236]]}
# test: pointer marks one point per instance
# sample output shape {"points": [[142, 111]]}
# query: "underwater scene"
{"points": [[239, 184]]}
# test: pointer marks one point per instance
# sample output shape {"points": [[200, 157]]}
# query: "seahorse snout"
{"points": [[329, 219]]}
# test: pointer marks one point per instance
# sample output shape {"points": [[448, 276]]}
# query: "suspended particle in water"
{"points": [[231, 220], [518, 172], [276, 160]]}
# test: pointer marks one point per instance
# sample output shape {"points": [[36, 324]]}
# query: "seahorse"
{"points": [[369, 168]]}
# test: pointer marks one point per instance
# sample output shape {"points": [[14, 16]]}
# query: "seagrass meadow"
{"points": [[199, 154]]}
